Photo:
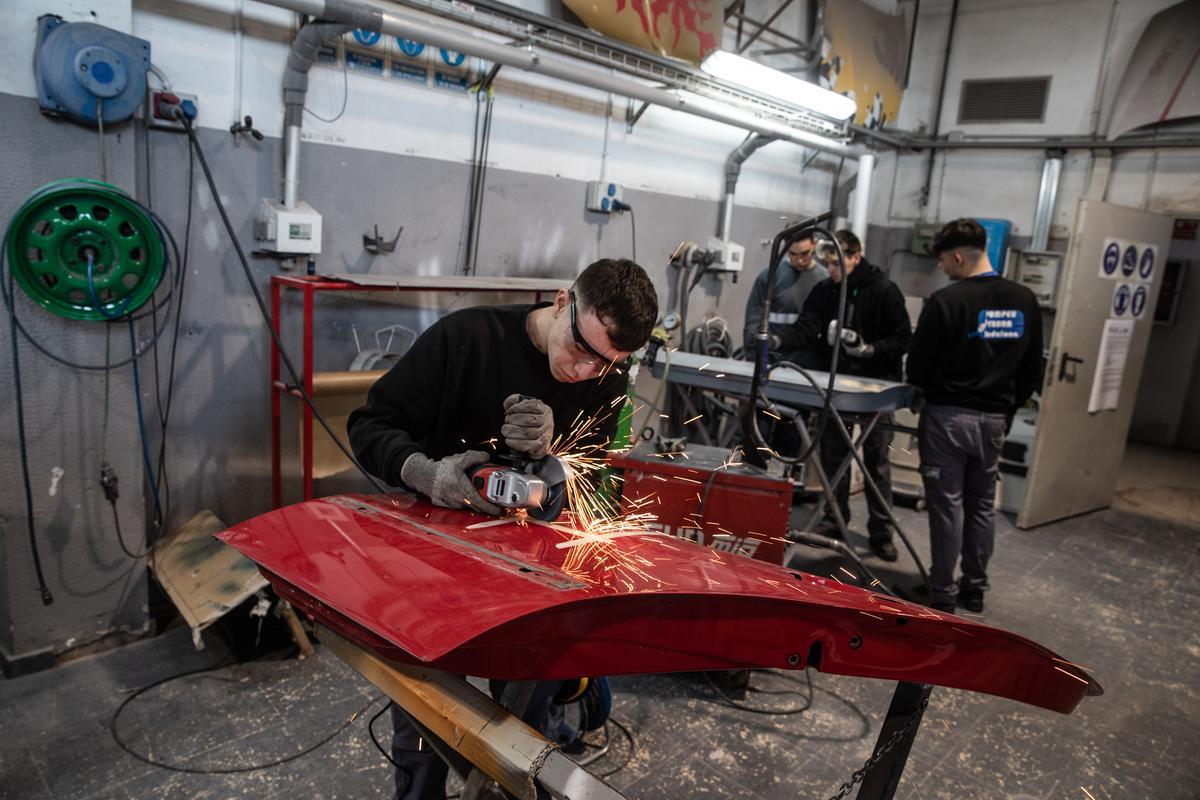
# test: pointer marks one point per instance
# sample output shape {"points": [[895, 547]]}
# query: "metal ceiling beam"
{"points": [[766, 26], [900, 140]]}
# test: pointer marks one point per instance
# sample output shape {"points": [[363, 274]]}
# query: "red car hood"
{"points": [[412, 583]]}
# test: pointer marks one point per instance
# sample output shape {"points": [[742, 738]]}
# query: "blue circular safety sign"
{"points": [[1121, 300], [1138, 303], [1146, 264], [369, 38], [452, 58], [1112, 258], [410, 48], [1129, 260]]}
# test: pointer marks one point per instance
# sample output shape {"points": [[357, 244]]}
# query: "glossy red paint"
{"points": [[412, 583]]}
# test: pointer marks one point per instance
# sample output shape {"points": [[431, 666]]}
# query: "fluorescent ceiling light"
{"points": [[764, 80]]}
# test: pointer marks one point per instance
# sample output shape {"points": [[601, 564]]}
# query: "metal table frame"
{"points": [[310, 286]]}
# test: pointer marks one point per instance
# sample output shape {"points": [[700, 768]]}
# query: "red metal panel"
{"points": [[411, 582], [737, 510]]}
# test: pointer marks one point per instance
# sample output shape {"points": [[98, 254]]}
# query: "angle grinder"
{"points": [[537, 486]]}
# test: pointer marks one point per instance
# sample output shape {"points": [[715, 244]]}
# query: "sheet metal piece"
{"points": [[413, 584]]}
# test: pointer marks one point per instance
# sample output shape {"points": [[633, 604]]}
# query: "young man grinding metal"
{"points": [[521, 374]]}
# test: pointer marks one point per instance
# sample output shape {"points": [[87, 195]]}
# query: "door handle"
{"points": [[1066, 370]]}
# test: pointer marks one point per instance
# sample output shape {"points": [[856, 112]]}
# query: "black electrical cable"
{"points": [[47, 598], [345, 99], [116, 737], [868, 481], [632, 747], [121, 538], [770, 712], [266, 315], [183, 271], [482, 182]]}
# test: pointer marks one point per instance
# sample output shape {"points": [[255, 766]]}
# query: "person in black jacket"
{"points": [[520, 374], [874, 336], [977, 354]]}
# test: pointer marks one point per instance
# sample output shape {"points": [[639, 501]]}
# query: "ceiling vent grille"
{"points": [[1004, 100]]}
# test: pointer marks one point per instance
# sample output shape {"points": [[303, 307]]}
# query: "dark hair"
{"points": [[850, 243], [621, 294], [964, 232]]}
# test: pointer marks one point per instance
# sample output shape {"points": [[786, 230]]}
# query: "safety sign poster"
{"points": [[1122, 301], [1123, 260], [1110, 365]]}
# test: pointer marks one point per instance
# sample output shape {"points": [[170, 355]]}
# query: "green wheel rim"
{"points": [[63, 222]]}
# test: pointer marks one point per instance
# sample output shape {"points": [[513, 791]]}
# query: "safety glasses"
{"points": [[622, 365]]}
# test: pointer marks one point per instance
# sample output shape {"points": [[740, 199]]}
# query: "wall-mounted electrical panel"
{"points": [[288, 230], [601, 195], [923, 234], [1039, 272]]}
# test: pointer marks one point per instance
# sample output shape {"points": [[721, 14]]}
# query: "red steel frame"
{"points": [[310, 285]]}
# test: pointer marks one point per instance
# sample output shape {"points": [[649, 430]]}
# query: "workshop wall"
{"points": [[398, 156]]}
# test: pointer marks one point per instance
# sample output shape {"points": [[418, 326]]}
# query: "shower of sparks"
{"points": [[693, 419], [595, 518], [1089, 794]]}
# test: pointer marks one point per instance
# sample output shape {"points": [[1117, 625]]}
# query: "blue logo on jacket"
{"points": [[999, 323]]}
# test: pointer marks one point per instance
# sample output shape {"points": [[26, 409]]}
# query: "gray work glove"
{"points": [[528, 425], [854, 345], [445, 482]]}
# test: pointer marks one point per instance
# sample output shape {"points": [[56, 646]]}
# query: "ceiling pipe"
{"points": [[926, 188], [733, 170], [531, 59], [862, 196], [308, 42], [901, 140]]}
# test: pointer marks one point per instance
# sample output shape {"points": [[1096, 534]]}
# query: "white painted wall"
{"points": [[540, 125], [1069, 40]]}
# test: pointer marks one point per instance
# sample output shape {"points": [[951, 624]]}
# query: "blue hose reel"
{"points": [[82, 68]]}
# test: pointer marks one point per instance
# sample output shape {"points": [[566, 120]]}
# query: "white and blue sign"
{"points": [[364, 62], [450, 80], [1111, 258], [1129, 260], [1121, 299], [1146, 263], [1138, 304], [999, 323], [407, 71], [410, 48], [367, 38], [451, 58]]}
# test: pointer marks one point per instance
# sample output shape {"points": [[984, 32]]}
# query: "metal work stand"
{"points": [[886, 765], [476, 736]]}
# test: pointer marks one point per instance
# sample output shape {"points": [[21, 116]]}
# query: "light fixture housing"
{"points": [[753, 76]]}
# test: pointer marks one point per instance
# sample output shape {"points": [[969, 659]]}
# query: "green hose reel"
{"points": [[67, 224]]}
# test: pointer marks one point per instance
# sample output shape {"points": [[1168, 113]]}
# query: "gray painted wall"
{"points": [[96, 588], [218, 446]]}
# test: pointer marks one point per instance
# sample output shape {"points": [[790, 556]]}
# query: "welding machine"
{"points": [[696, 494]]}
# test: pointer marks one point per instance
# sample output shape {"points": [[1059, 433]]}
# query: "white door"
{"points": [[1106, 297]]}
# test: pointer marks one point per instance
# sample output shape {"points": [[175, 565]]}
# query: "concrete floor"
{"points": [[1113, 591]]}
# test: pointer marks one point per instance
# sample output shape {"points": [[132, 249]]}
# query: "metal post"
{"points": [[862, 195], [276, 410], [307, 379], [1044, 214], [883, 776]]}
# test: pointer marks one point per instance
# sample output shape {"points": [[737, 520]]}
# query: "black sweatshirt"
{"points": [[446, 394], [874, 308], [978, 345]]}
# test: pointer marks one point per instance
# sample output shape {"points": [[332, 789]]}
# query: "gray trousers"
{"points": [[960, 455], [875, 456]]}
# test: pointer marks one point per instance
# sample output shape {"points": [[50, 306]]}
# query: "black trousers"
{"points": [[875, 454]]}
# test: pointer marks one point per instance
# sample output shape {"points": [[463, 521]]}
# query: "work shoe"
{"points": [[919, 594], [885, 549], [969, 597], [945, 606]]}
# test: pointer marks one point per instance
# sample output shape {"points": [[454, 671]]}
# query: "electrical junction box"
{"points": [[288, 230], [923, 234], [1039, 272], [158, 115], [728, 256], [601, 194]]}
